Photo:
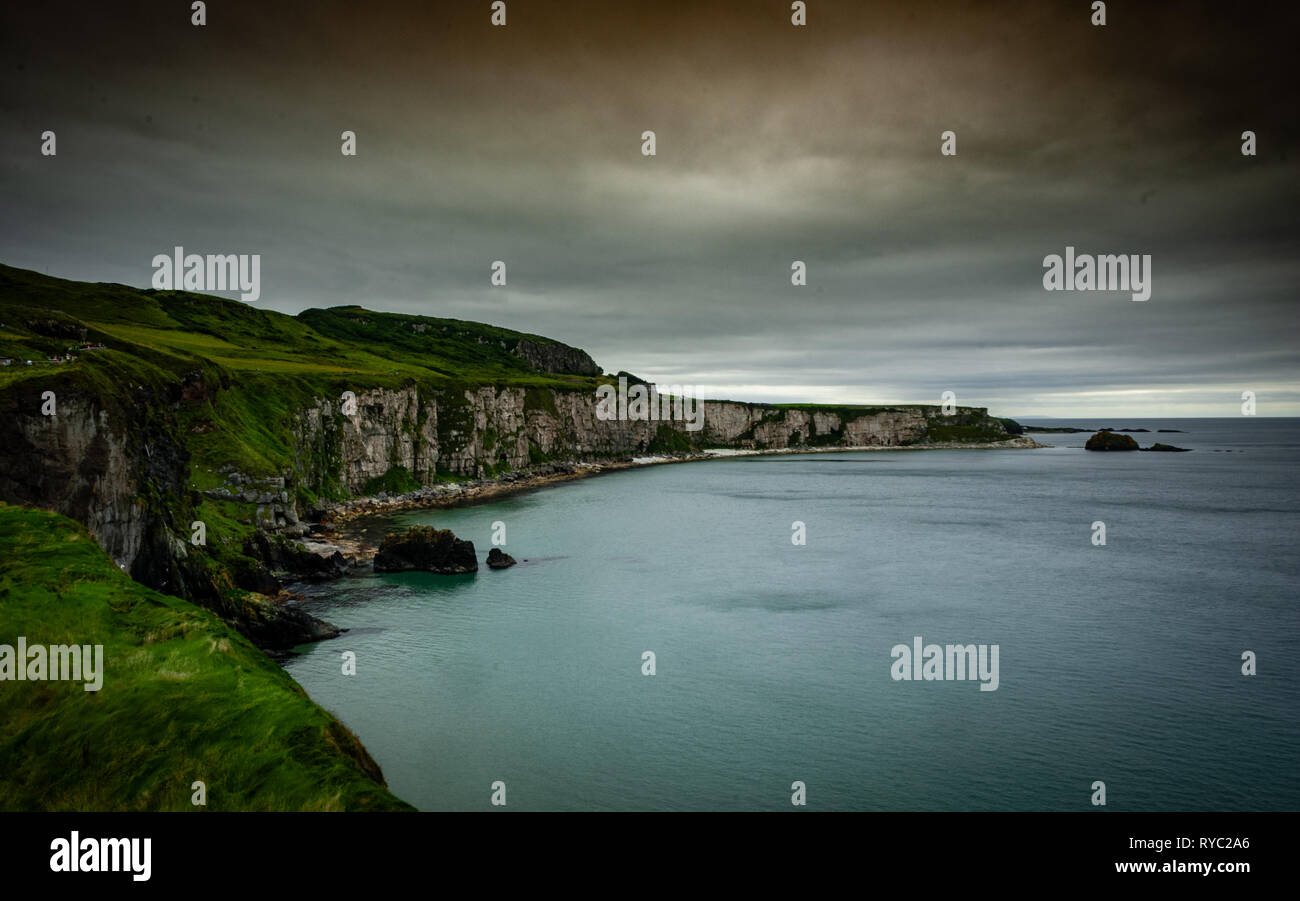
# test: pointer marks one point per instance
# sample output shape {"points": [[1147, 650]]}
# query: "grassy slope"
{"points": [[174, 328], [184, 698]]}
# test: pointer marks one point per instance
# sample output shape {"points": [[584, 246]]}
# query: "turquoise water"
{"points": [[1119, 663]]}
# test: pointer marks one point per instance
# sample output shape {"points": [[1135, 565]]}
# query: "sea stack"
{"points": [[499, 559], [426, 549], [1107, 440]]}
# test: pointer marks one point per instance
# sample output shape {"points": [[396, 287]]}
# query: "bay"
{"points": [[1119, 663]]}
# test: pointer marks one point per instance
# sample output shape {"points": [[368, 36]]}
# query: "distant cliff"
{"points": [[485, 431]]}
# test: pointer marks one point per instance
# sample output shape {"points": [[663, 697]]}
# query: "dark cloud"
{"points": [[774, 144]]}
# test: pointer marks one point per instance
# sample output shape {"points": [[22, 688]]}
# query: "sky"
{"points": [[774, 143]]}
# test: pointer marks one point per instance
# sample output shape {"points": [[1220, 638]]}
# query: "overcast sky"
{"points": [[774, 143]]}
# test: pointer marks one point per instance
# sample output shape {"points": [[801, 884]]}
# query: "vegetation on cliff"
{"points": [[184, 698], [200, 386]]}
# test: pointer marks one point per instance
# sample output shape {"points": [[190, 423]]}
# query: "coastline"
{"points": [[334, 536]]}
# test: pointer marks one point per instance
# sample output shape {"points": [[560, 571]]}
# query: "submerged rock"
{"points": [[1110, 441], [1167, 447], [499, 559], [426, 549]]}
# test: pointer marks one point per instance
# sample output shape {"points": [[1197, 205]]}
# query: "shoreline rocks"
{"points": [[276, 625], [285, 561], [426, 549], [330, 518]]}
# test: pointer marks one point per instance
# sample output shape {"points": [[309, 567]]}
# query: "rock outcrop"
{"points": [[425, 549], [119, 466], [499, 559], [276, 625], [288, 561], [557, 358], [119, 470], [1166, 447], [1111, 441]]}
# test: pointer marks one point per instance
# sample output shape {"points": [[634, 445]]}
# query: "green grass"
{"points": [[261, 367], [398, 480], [851, 411], [965, 434], [536, 399], [184, 698], [668, 440], [40, 315]]}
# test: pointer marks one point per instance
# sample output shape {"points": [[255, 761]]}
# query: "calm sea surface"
{"points": [[1119, 663]]}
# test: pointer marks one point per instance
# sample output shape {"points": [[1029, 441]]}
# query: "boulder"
{"points": [[289, 560], [426, 549], [277, 626], [1110, 441], [499, 559]]}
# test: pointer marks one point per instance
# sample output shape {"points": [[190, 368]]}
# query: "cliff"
{"points": [[408, 437], [180, 697], [199, 411]]}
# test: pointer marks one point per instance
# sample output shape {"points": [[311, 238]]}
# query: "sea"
{"points": [[1162, 665]]}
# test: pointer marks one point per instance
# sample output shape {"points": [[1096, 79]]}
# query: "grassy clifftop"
{"points": [[340, 346], [278, 363], [184, 698], [193, 384]]}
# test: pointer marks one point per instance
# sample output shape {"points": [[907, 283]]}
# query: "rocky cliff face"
{"points": [[120, 472], [558, 358], [123, 471], [74, 463], [761, 427], [120, 464], [478, 432]]}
